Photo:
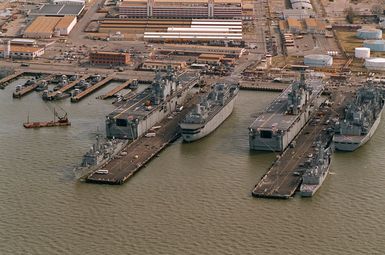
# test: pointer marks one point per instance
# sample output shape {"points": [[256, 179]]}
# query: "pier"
{"points": [[139, 152], [91, 89], [6, 80], [273, 87], [282, 179], [115, 90], [67, 87]]}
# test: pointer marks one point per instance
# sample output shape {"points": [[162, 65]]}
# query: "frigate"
{"points": [[101, 152], [210, 113], [316, 168], [360, 120], [282, 120]]}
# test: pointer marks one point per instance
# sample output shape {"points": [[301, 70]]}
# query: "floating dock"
{"points": [[6, 80], [283, 179], [91, 89], [115, 90]]}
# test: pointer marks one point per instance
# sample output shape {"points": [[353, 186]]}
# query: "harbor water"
{"points": [[193, 199]]}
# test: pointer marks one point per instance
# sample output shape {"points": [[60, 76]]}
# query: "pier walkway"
{"points": [[116, 89], [5, 81], [91, 89]]}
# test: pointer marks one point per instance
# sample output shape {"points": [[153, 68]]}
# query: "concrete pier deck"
{"points": [[282, 179], [91, 89], [116, 89], [5, 81]]}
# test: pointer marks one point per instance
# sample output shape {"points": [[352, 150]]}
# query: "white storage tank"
{"points": [[317, 60], [375, 45], [375, 64], [362, 52], [366, 33]]}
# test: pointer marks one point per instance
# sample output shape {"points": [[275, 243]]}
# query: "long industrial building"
{"points": [[200, 30], [181, 9], [21, 52]]}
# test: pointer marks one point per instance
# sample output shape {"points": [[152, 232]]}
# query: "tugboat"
{"points": [[58, 121]]}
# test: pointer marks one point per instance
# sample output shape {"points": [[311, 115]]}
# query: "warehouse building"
{"points": [[211, 59], [109, 58], [294, 26], [65, 25], [45, 27], [315, 26], [23, 52], [201, 49], [297, 14], [181, 9], [316, 60], [59, 10], [162, 65], [214, 30], [42, 27], [23, 42]]}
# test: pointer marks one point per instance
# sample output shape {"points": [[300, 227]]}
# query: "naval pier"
{"points": [[283, 178]]}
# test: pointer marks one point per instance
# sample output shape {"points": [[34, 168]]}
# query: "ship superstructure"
{"points": [[316, 169], [281, 121], [140, 113], [361, 119], [101, 152], [213, 109]]}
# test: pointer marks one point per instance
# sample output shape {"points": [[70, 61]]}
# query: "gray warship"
{"points": [[282, 120], [101, 152], [360, 120], [211, 112], [138, 114], [316, 168]]}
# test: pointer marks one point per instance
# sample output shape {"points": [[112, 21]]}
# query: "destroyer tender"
{"points": [[285, 116], [360, 120], [210, 112]]}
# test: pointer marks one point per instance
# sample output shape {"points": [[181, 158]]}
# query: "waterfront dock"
{"points": [[25, 90], [283, 178], [139, 152], [6, 80], [273, 87], [115, 90], [91, 89], [67, 87]]}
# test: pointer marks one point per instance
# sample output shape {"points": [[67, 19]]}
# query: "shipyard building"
{"points": [[140, 113], [109, 58], [46, 27], [181, 9]]}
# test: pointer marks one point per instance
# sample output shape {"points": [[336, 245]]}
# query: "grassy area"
{"points": [[349, 41]]}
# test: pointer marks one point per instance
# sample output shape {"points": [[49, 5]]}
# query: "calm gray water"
{"points": [[194, 199]]}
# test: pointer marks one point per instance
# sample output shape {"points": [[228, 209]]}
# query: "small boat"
{"points": [[58, 121]]}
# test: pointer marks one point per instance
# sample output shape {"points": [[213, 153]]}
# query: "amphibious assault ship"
{"points": [[316, 169], [101, 152], [210, 112], [164, 96], [360, 120], [286, 115]]}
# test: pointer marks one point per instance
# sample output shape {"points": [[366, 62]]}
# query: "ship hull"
{"points": [[211, 125], [307, 190], [45, 124], [352, 143]]}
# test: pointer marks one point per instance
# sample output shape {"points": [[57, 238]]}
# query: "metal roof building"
{"points": [[59, 10]]}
